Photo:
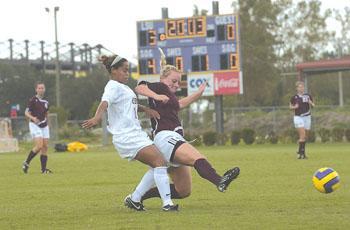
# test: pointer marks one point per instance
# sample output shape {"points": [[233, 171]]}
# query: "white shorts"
{"points": [[302, 122], [128, 145], [38, 132], [167, 142]]}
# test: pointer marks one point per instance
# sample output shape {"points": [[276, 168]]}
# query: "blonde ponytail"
{"points": [[164, 68]]}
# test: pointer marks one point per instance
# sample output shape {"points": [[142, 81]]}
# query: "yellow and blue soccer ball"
{"points": [[326, 180]]}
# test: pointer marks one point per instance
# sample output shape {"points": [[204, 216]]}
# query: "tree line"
{"points": [[275, 36]]}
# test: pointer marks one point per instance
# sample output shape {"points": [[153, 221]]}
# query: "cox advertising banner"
{"points": [[219, 83], [195, 80]]}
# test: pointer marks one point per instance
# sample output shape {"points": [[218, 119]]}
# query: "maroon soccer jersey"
{"points": [[303, 102], [169, 119], [39, 108]]}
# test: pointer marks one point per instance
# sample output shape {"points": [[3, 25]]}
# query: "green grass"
{"points": [[86, 191]]}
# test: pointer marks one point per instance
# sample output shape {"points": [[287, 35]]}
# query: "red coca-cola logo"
{"points": [[226, 83]]}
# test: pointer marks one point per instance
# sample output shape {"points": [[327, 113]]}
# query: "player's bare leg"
{"points": [[182, 179]]}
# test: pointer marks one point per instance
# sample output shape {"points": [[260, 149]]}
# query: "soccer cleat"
{"points": [[303, 156], [227, 178], [25, 167], [46, 171], [138, 206], [171, 208]]}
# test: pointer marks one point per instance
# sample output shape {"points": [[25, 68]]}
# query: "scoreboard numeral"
{"points": [[151, 66], [176, 28], [179, 63], [200, 63], [147, 38], [200, 26], [228, 61], [191, 26], [152, 38], [225, 32], [233, 61], [230, 32], [180, 25], [147, 66], [171, 28]]}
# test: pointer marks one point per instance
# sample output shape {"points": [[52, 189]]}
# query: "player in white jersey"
{"points": [[128, 138]]}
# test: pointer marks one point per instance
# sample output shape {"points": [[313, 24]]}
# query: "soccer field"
{"points": [[86, 191]]}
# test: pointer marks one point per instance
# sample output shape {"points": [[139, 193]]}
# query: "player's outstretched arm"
{"points": [[102, 107], [143, 89], [151, 113], [184, 102]]}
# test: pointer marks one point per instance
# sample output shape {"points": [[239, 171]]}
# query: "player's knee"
{"points": [[159, 162], [44, 149], [38, 147], [184, 193]]}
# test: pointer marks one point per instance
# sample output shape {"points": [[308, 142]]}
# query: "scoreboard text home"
{"points": [[202, 47]]}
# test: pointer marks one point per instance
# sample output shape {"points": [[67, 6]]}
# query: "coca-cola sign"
{"points": [[227, 83]]}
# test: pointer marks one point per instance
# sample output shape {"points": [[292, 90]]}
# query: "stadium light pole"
{"points": [[57, 60]]}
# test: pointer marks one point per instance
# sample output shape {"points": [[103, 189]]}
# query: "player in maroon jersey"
{"points": [[168, 137], [36, 112], [301, 103]]}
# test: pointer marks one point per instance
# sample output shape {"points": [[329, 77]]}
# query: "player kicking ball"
{"points": [[168, 137]]}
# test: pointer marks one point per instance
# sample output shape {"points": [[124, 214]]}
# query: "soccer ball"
{"points": [[326, 180]]}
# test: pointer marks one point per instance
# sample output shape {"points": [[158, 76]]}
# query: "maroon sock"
{"points": [[206, 171], [153, 192], [30, 157], [43, 160]]}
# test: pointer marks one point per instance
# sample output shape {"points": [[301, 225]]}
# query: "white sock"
{"points": [[162, 181], [146, 183]]}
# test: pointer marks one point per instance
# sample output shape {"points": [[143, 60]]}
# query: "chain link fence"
{"points": [[20, 128]]}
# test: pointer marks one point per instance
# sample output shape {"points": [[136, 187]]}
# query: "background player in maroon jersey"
{"points": [[168, 137], [36, 112], [301, 104]]}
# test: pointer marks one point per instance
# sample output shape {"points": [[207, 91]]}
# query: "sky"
{"points": [[111, 23]]}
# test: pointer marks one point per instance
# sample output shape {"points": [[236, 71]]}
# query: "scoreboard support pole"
{"points": [[219, 114]]}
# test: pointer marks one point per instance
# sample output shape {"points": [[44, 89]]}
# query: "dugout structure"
{"points": [[7, 142], [307, 69]]}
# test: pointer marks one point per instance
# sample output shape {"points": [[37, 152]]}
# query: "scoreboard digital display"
{"points": [[202, 47]]}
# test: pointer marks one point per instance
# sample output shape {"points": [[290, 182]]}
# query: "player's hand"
{"points": [[162, 98], [311, 103], [296, 106], [151, 113], [35, 120], [89, 123], [202, 87]]}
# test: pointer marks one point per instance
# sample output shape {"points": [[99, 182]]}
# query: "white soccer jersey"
{"points": [[122, 108]]}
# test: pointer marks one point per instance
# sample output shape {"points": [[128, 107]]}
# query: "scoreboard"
{"points": [[202, 47]]}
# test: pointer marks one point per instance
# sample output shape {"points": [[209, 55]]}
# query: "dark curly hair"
{"points": [[108, 60]]}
